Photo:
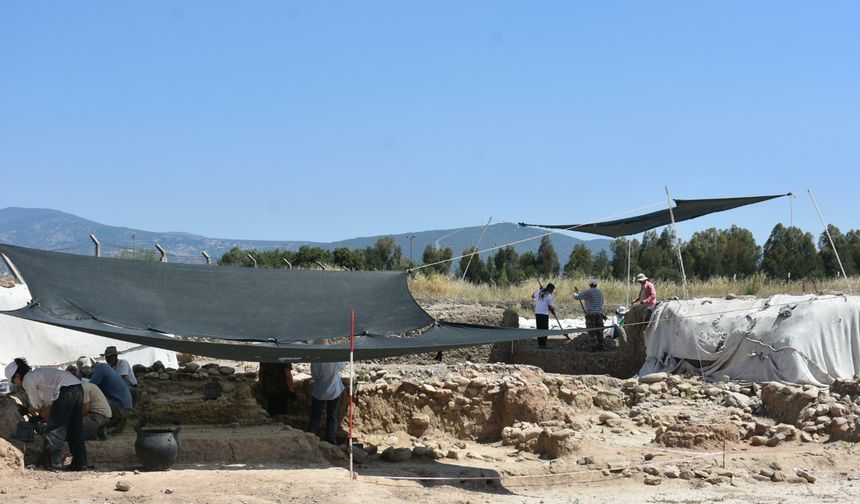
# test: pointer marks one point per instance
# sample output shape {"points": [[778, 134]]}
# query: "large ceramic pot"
{"points": [[157, 449]]}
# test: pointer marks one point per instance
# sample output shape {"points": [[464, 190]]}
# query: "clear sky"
{"points": [[331, 120]]}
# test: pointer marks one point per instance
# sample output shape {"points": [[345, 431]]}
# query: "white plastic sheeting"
{"points": [[792, 339], [46, 345]]}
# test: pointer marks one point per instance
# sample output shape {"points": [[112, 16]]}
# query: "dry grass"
{"points": [[616, 292]]}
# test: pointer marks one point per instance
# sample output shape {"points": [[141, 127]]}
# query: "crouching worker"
{"points": [[114, 389], [96, 413], [58, 396], [328, 388], [96, 409]]}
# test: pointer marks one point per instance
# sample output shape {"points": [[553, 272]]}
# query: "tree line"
{"points": [[788, 252]]}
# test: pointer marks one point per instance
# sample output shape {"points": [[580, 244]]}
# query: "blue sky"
{"points": [[330, 120]]}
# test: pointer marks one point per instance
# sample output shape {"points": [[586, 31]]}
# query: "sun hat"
{"points": [[10, 370], [593, 282], [84, 362], [621, 310], [111, 350], [641, 277]]}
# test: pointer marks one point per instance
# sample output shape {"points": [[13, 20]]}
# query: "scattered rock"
{"points": [[653, 378], [653, 480], [123, 486], [805, 475]]}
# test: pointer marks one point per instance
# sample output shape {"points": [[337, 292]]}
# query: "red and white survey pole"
{"points": [[351, 379]]}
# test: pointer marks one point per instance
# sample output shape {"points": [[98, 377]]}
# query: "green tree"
{"points": [[828, 258], [741, 254], [349, 258], [580, 262], [789, 250], [601, 267], [237, 257], [703, 255], [433, 255], [508, 266], [546, 262], [657, 257], [619, 249], [527, 265], [472, 267], [385, 254]]}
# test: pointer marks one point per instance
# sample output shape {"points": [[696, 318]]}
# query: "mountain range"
{"points": [[55, 230]]}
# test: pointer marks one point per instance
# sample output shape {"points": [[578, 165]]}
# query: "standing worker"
{"points": [[57, 396], [594, 316], [276, 387], [328, 388], [543, 307]]}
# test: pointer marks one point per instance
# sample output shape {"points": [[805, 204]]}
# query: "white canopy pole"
{"points": [[830, 238], [677, 243], [629, 245]]}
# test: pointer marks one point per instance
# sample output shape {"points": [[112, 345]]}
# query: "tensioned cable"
{"points": [[557, 231]]}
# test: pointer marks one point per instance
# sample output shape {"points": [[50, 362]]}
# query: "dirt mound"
{"points": [[9, 416], [11, 458], [688, 435]]}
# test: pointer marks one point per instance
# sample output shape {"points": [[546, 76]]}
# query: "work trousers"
{"points": [[66, 421], [331, 421], [595, 320], [541, 322]]}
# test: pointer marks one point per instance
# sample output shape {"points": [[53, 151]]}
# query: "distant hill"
{"points": [[54, 230]]}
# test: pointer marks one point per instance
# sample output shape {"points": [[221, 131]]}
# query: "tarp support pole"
{"points": [[351, 381], [477, 248], [97, 244], [677, 243], [830, 238], [629, 246], [12, 269]]}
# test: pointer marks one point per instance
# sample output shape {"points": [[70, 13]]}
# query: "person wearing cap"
{"points": [[58, 396], [647, 291], [121, 366], [594, 316], [543, 307]]}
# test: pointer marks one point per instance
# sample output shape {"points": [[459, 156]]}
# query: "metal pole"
{"points": [[410, 237], [12, 268], [288, 262], [629, 246], [253, 260], [162, 251], [677, 243], [477, 247], [830, 238], [351, 381], [97, 244], [133, 245], [208, 259]]}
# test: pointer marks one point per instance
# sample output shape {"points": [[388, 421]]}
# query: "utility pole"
{"points": [[410, 237]]}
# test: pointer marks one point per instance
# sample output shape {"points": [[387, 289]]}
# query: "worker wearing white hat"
{"points": [[647, 291], [57, 395]]}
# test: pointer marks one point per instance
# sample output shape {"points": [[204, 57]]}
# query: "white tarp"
{"points": [[46, 345], [793, 339]]}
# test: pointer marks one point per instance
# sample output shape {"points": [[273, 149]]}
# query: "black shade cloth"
{"points": [[441, 337], [684, 210], [217, 302]]}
